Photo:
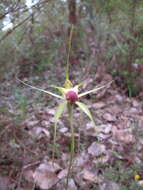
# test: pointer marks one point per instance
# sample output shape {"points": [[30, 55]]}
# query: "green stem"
{"points": [[68, 54], [72, 150], [54, 143]]}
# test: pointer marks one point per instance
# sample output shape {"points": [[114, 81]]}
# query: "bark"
{"points": [[72, 12]]}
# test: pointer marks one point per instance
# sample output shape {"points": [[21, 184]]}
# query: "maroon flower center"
{"points": [[71, 96]]}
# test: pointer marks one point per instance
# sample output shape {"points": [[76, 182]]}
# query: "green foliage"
{"points": [[4, 109], [114, 26], [122, 175], [135, 186], [111, 174], [21, 101]]}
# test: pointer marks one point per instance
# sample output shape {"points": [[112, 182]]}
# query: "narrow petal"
{"points": [[94, 90], [61, 89], [85, 109], [48, 92]]}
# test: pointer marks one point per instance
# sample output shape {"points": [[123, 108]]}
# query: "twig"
{"points": [[31, 165], [10, 31], [25, 9], [14, 28], [5, 129]]}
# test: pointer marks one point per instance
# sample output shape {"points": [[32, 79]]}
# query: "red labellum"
{"points": [[71, 96]]}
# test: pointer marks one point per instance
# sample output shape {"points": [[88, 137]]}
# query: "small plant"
{"points": [[70, 96]]}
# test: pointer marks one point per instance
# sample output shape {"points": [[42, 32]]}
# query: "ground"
{"points": [[108, 158]]}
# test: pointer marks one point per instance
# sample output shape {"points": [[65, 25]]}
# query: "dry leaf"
{"points": [[109, 117], [135, 103], [99, 105], [71, 185], [49, 111], [32, 123], [140, 183], [28, 175], [123, 136], [62, 183], [109, 185], [102, 159], [63, 130], [45, 123], [105, 128], [119, 98], [96, 149], [4, 183], [63, 174], [39, 132], [81, 160], [90, 176], [45, 175]]}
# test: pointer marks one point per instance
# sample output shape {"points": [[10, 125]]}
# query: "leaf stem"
{"points": [[72, 147]]}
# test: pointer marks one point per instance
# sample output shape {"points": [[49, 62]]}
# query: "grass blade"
{"points": [[58, 113]]}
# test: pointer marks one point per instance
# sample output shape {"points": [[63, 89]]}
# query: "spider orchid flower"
{"points": [[71, 95]]}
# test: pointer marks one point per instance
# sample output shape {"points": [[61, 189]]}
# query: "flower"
{"points": [[71, 96], [137, 177]]}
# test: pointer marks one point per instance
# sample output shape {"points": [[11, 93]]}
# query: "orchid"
{"points": [[70, 96]]}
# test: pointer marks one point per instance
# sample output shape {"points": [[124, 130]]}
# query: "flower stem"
{"points": [[54, 143], [72, 147], [68, 54]]}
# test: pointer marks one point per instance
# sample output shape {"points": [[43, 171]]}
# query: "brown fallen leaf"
{"points": [[45, 175], [109, 185], [45, 124], [119, 98], [71, 185], [135, 103], [32, 123], [62, 183], [49, 111], [25, 188], [123, 136], [39, 132], [102, 159], [105, 128], [91, 129], [82, 160], [28, 175], [140, 183], [90, 176], [62, 174], [109, 117], [4, 183], [99, 105], [63, 130], [96, 149]]}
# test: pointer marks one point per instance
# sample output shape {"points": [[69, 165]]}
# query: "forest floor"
{"points": [[110, 159]]}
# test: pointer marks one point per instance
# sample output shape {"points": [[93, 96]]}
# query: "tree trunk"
{"points": [[72, 12]]}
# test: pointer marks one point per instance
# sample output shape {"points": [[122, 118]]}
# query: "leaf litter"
{"points": [[119, 134]]}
